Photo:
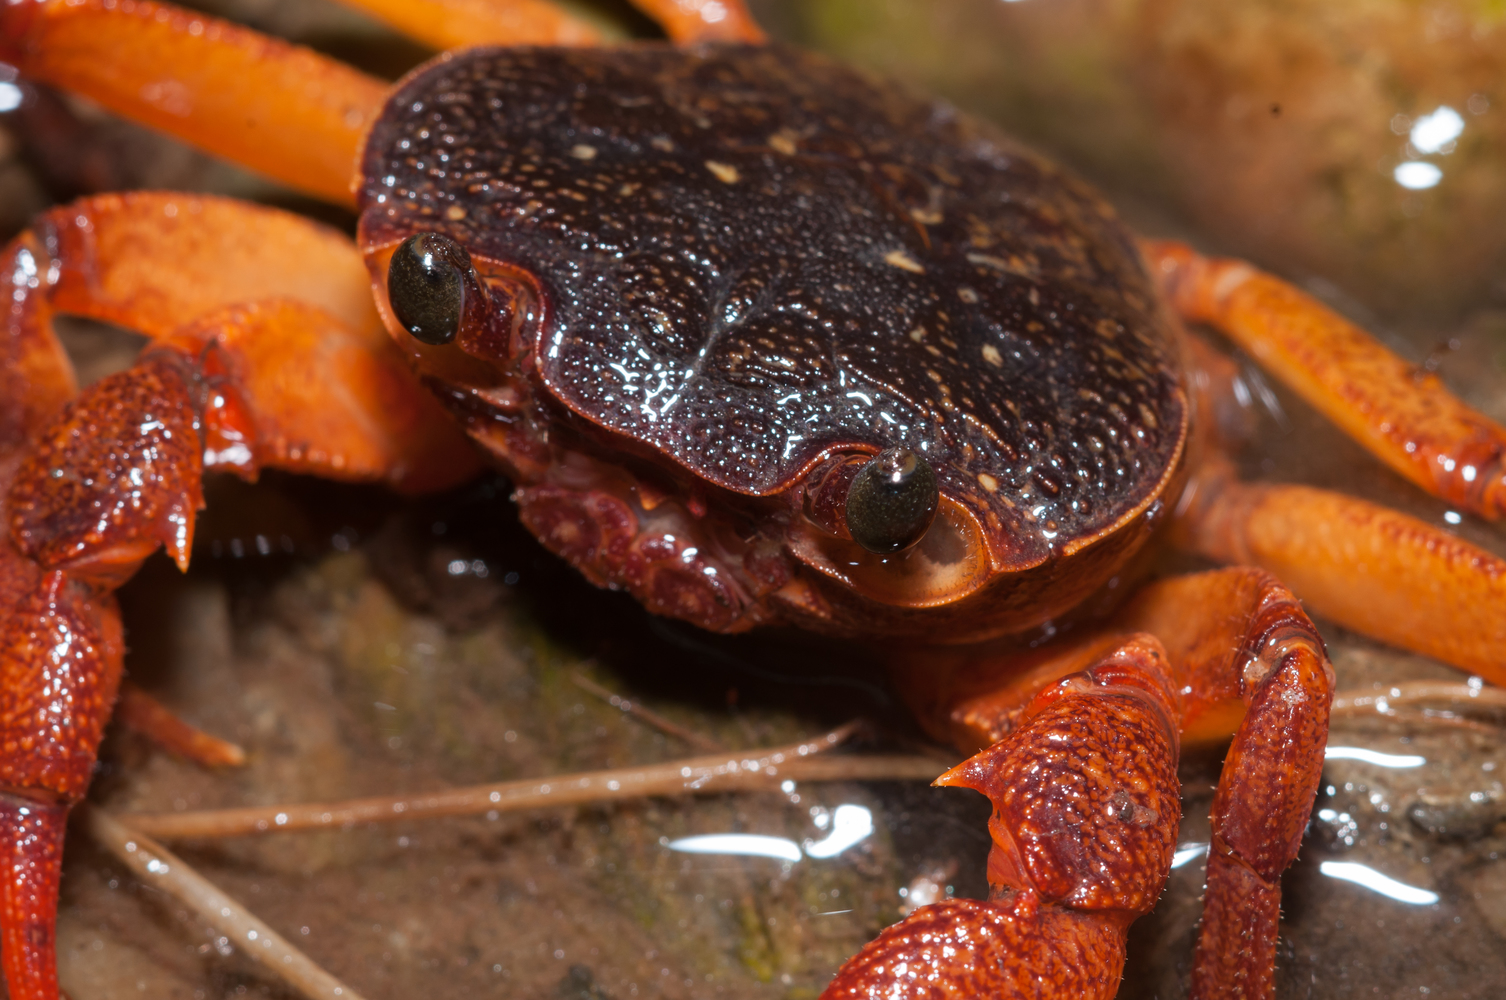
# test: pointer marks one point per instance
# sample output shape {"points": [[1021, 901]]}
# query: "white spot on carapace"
{"points": [[902, 260], [918, 334], [454, 213], [988, 482], [996, 263], [992, 356], [782, 142], [583, 152], [725, 172]]}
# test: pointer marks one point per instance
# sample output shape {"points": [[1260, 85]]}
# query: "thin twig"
{"points": [[722, 772], [160, 868], [648, 715]]}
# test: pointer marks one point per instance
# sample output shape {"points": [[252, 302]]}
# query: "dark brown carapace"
{"points": [[759, 339], [732, 273]]}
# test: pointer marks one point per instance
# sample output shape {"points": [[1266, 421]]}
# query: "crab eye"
{"points": [[426, 286], [892, 501]]}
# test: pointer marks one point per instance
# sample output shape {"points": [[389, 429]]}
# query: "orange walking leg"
{"points": [[298, 375], [1413, 424], [703, 20], [1233, 650], [1367, 567], [454, 24], [279, 109]]}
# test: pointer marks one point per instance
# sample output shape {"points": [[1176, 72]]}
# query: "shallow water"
{"points": [[363, 663]]}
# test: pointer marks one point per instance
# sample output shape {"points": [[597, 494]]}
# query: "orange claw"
{"points": [[1406, 419], [1229, 650], [1086, 810], [286, 305], [291, 387], [154, 261]]}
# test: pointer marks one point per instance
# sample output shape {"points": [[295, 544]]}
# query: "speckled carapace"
{"points": [[746, 264]]}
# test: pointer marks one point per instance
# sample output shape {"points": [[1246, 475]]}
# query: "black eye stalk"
{"points": [[428, 282], [892, 501]]}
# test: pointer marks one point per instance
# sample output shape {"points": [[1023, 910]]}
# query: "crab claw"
{"points": [[1086, 808]]}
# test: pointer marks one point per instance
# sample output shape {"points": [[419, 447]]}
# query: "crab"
{"points": [[760, 341]]}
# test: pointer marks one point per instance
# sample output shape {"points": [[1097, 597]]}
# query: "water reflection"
{"points": [[1188, 853], [1437, 132], [850, 825], [1415, 175], [1350, 871], [1374, 757], [754, 845]]}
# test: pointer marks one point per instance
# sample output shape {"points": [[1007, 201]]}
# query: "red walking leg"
{"points": [[268, 353], [146, 715], [1239, 636]]}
